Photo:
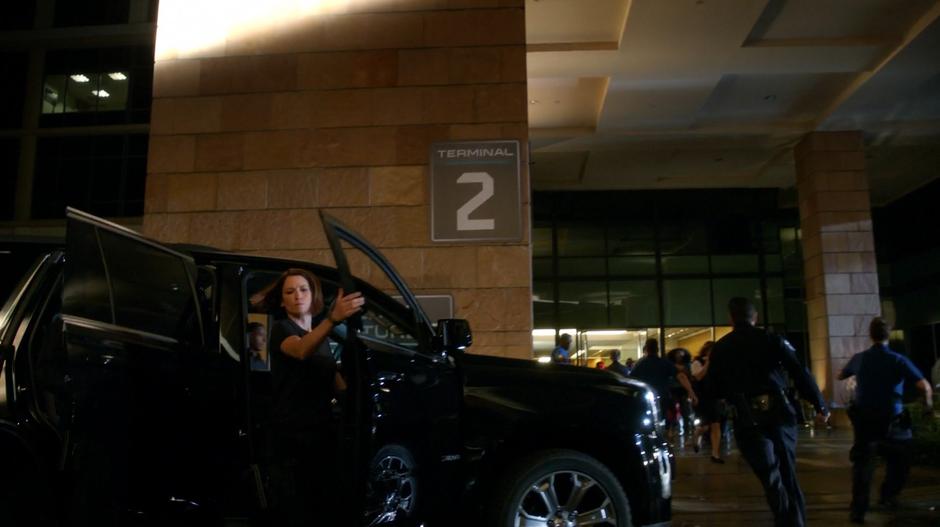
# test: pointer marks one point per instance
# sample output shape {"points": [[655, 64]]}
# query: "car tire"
{"points": [[392, 488], [565, 486]]}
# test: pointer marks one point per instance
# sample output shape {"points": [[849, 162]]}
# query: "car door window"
{"points": [[118, 278], [377, 325]]}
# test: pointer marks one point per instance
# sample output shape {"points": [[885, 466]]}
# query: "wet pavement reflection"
{"points": [[708, 494]]}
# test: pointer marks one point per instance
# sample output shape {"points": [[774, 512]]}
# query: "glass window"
{"points": [[542, 267], [775, 309], [687, 302], [541, 241], [735, 263], [773, 263], [103, 175], [771, 237], [683, 237], [634, 303], [582, 304], [543, 303], [685, 264], [9, 168], [590, 267], [631, 237], [85, 92], [12, 91], [795, 313], [632, 265], [376, 325], [151, 288], [580, 241], [90, 12], [727, 288], [18, 15], [97, 86]]}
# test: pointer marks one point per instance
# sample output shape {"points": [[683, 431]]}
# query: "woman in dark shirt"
{"points": [[304, 380]]}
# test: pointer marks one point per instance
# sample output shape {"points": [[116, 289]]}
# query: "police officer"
{"points": [[879, 420], [747, 369]]}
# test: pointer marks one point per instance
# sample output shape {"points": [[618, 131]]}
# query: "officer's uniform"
{"points": [[747, 369], [880, 423]]}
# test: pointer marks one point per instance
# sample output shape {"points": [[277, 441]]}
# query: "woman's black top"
{"points": [[302, 389]]}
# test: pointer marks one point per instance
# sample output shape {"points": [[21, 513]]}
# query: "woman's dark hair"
{"points": [[706, 349], [269, 298], [879, 329], [651, 346]]}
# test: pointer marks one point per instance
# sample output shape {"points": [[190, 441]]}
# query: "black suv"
{"points": [[128, 398]]}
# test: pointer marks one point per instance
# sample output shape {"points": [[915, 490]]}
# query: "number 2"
{"points": [[464, 223]]}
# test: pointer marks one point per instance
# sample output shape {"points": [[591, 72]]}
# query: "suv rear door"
{"points": [[134, 335]]}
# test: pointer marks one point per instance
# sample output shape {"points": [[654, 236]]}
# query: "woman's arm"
{"points": [[343, 308]]}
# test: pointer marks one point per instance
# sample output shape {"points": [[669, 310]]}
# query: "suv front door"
{"points": [[405, 393]]}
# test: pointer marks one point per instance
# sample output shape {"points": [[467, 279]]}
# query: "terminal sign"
{"points": [[475, 193]]}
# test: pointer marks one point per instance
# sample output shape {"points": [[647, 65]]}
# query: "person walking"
{"points": [[562, 354], [747, 368], [615, 365], [709, 410], [879, 421], [658, 373]]}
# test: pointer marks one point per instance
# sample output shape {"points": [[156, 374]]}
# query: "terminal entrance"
{"points": [[590, 347]]}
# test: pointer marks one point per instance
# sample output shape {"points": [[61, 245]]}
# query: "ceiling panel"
{"points": [[565, 102], [771, 99], [837, 19], [554, 21]]}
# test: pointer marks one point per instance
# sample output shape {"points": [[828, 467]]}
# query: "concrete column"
{"points": [[261, 118], [838, 251]]}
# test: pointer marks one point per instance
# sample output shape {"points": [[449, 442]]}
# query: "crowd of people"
{"points": [[749, 380]]}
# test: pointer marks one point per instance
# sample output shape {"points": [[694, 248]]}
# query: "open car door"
{"points": [[134, 338], [384, 373]]}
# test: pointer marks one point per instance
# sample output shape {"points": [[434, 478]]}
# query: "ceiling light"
{"points": [[544, 360], [78, 77], [101, 93], [606, 333], [533, 101], [117, 76]]}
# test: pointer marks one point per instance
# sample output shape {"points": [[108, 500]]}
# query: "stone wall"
{"points": [[336, 110], [838, 251]]}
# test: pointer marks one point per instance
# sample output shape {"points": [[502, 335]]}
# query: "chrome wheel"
{"points": [[391, 489], [565, 499]]}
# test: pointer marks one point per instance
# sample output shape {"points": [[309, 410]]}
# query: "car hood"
{"points": [[486, 371]]}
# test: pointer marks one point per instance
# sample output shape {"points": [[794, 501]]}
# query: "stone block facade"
{"points": [[336, 110], [838, 251]]}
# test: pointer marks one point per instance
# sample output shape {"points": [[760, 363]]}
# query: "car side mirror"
{"points": [[454, 334]]}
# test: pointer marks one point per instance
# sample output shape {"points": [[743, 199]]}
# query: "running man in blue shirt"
{"points": [[881, 426]]}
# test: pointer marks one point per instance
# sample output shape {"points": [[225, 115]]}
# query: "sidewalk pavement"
{"points": [[707, 494]]}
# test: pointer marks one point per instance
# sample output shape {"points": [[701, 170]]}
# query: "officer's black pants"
{"points": [[870, 442], [771, 452]]}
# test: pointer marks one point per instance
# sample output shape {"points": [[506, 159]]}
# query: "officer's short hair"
{"points": [[254, 326], [565, 337], [651, 346], [879, 329], [614, 355], [741, 310]]}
